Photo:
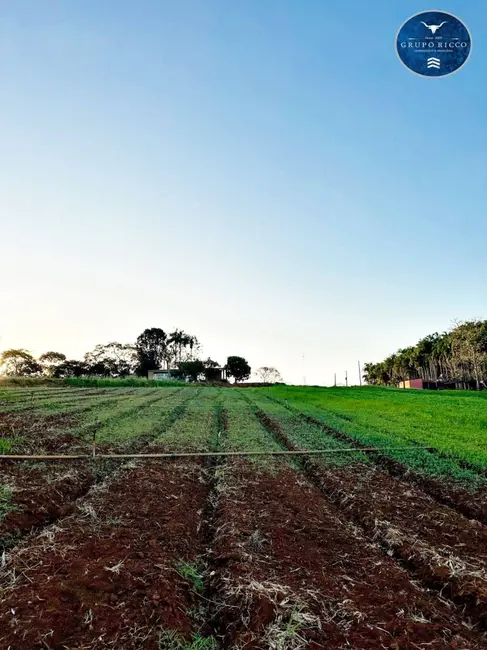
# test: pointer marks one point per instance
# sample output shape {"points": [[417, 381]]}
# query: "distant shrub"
{"points": [[29, 381], [135, 382]]}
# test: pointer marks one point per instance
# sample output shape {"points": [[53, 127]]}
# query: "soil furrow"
{"points": [[91, 398], [288, 570], [469, 502], [439, 546], [214, 468], [63, 432], [116, 573], [44, 493]]}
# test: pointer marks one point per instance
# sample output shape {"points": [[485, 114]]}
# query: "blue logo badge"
{"points": [[433, 43]]}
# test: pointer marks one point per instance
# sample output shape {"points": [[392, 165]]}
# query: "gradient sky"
{"points": [[264, 174]]}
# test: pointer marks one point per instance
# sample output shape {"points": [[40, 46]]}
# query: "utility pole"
{"points": [[335, 384], [346, 378], [359, 374]]}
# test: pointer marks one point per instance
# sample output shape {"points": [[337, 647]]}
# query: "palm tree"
{"points": [[458, 354]]}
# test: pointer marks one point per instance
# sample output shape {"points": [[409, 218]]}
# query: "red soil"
{"points": [[43, 492], [41, 495], [410, 524], [107, 577], [35, 427], [278, 529], [430, 539]]}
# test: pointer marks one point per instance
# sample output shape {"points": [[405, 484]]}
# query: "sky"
{"points": [[264, 174]]}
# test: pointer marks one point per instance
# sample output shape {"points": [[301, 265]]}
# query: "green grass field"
{"points": [[454, 423]]}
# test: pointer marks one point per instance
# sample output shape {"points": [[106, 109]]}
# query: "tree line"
{"points": [[154, 349], [458, 355]]}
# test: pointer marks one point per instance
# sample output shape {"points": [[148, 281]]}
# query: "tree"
{"points": [[180, 347], [371, 374], [101, 368], [209, 363], [469, 341], [443, 354], [112, 360], [269, 375], [403, 365], [377, 374], [19, 363], [50, 360], [151, 349], [238, 368], [459, 355], [71, 368]]}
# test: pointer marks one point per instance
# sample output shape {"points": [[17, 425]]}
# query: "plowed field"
{"points": [[342, 550]]}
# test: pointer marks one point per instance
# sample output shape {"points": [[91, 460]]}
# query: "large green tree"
{"points": [[71, 368], [112, 359], [181, 346], [151, 350], [19, 363], [238, 368], [50, 360]]}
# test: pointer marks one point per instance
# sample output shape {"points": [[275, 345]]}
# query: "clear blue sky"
{"points": [[264, 174]]}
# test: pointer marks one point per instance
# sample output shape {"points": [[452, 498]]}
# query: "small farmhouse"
{"points": [[216, 374], [162, 375], [165, 374]]}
